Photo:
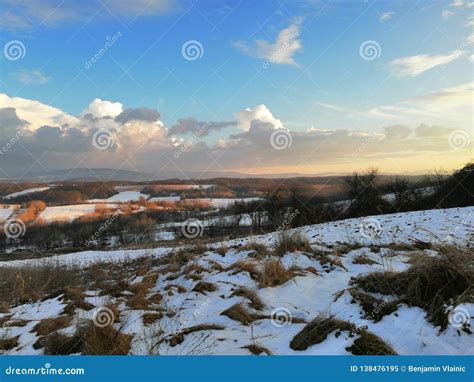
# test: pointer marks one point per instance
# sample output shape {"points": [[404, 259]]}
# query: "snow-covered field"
{"points": [[223, 202], [5, 213], [122, 197], [68, 213], [318, 288], [26, 192]]}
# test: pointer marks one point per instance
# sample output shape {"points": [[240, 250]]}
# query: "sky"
{"points": [[260, 87]]}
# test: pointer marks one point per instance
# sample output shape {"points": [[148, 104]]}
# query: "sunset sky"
{"points": [[252, 86]]}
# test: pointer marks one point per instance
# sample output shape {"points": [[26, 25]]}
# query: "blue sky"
{"points": [[422, 48]]}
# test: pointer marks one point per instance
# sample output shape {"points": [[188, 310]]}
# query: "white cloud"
{"points": [[31, 77], [386, 16], [446, 14], [279, 52], [99, 108], [415, 65], [469, 21], [37, 113], [462, 4], [261, 113], [471, 58]]}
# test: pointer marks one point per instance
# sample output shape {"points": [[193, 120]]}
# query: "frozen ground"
{"points": [[26, 192], [321, 286]]}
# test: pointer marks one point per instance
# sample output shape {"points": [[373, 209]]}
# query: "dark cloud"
{"points": [[397, 131], [200, 128], [138, 114], [9, 122]]}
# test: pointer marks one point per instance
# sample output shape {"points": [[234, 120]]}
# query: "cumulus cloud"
{"points": [[261, 113], [99, 109], [279, 52], [415, 65], [445, 14]]}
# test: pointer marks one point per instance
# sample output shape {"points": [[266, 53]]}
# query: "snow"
{"points": [[122, 197], [165, 199], [26, 192], [305, 296], [5, 214], [223, 202], [68, 213]]}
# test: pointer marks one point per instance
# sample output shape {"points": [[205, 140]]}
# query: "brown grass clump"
{"points": [[431, 282], [155, 298], [370, 344], [251, 295], [150, 318], [203, 287], [257, 349], [291, 243], [245, 266], [178, 338], [317, 331], [237, 312], [19, 285], [374, 309], [363, 260], [258, 250], [274, 274], [50, 325], [9, 343], [77, 304], [88, 340]]}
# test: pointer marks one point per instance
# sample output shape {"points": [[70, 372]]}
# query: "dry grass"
{"points": [[257, 349], [203, 287], [237, 312], [374, 309], [317, 331], [251, 295], [245, 266], [19, 285], [178, 338], [9, 343], [150, 318], [291, 243], [370, 344], [430, 283], [88, 340], [274, 274], [50, 325], [363, 260], [258, 250]]}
